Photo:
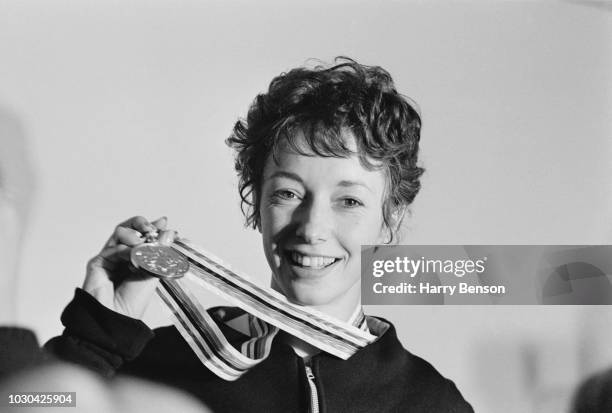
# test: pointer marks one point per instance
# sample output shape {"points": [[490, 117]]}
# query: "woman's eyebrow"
{"points": [[348, 183], [285, 174]]}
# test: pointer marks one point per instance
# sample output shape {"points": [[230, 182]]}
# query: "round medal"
{"points": [[161, 261]]}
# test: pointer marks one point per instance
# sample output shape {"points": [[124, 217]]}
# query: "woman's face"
{"points": [[316, 212]]}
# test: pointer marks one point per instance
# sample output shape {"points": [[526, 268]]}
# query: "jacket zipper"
{"points": [[314, 395]]}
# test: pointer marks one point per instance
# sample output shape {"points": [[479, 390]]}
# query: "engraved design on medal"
{"points": [[158, 260]]}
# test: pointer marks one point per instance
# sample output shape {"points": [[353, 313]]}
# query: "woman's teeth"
{"points": [[311, 261]]}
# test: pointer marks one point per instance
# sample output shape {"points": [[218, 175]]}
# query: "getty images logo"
{"points": [[412, 267]]}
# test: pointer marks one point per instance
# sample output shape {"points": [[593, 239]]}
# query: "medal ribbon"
{"points": [[268, 311]]}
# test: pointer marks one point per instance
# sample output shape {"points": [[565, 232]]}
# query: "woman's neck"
{"points": [[306, 350], [300, 347], [345, 308], [342, 307]]}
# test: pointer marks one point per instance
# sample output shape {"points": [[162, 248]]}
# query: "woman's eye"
{"points": [[351, 202], [285, 194]]}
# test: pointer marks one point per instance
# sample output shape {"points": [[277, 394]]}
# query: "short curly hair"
{"points": [[322, 102]]}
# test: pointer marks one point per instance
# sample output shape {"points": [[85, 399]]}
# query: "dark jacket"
{"points": [[382, 377]]}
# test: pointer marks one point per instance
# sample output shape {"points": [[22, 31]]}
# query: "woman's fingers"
{"points": [[160, 223], [115, 256], [133, 231], [127, 236], [140, 224], [167, 237]]}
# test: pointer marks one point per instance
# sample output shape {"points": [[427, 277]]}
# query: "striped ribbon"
{"points": [[268, 311]]}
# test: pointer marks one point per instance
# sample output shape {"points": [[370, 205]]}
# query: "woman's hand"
{"points": [[111, 278]]}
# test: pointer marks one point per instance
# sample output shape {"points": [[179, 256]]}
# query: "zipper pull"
{"points": [[314, 393], [309, 373]]}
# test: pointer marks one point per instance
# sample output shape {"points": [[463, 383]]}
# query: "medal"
{"points": [[159, 260]]}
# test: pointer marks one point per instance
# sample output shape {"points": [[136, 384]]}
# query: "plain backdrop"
{"points": [[124, 106]]}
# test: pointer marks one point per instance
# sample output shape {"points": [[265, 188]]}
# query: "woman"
{"points": [[327, 160]]}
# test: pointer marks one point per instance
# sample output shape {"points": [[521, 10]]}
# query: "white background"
{"points": [[124, 108]]}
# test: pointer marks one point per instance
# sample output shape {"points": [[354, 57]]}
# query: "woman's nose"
{"points": [[313, 222]]}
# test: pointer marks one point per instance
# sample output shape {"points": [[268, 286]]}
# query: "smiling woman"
{"points": [[327, 161]]}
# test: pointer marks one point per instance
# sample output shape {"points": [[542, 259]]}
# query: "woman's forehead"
{"points": [[310, 140], [323, 144], [310, 168]]}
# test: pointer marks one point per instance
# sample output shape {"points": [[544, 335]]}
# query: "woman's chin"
{"points": [[310, 297]]}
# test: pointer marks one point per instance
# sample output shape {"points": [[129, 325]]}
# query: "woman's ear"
{"points": [[398, 217], [392, 228], [386, 235]]}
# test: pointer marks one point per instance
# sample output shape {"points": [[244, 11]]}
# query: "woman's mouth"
{"points": [[310, 261]]}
